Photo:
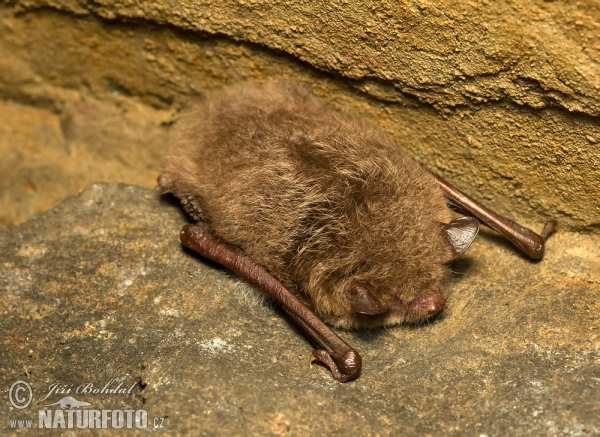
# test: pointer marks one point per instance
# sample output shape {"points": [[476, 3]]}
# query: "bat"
{"points": [[321, 210]]}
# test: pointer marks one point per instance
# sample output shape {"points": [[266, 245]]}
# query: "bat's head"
{"points": [[411, 290], [389, 263]]}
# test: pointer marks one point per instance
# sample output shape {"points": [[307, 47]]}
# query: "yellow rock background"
{"points": [[502, 98]]}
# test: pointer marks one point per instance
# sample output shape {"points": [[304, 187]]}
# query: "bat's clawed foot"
{"points": [[343, 368]]}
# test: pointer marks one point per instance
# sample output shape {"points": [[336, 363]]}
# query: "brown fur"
{"points": [[318, 196]]}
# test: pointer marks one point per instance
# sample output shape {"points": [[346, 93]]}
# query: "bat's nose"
{"points": [[428, 304]]}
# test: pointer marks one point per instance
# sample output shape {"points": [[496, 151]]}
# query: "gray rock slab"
{"points": [[99, 289]]}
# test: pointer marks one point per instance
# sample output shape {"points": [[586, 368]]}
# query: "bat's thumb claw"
{"points": [[548, 229], [343, 368]]}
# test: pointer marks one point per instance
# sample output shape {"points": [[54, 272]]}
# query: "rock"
{"points": [[47, 157], [99, 289], [501, 98]]}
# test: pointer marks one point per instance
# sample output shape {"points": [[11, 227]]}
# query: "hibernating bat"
{"points": [[323, 211]]}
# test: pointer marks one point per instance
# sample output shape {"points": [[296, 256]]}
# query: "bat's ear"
{"points": [[362, 301], [459, 234]]}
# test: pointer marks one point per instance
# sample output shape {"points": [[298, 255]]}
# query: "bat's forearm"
{"points": [[527, 241], [343, 361]]}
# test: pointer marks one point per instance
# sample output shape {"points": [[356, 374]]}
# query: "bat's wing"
{"points": [[343, 361], [527, 241]]}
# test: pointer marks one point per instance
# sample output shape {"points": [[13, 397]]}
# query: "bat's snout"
{"points": [[428, 304]]}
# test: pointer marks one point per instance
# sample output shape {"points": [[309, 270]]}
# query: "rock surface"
{"points": [[500, 97], [99, 289]]}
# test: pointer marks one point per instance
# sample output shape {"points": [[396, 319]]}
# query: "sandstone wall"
{"points": [[502, 98]]}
